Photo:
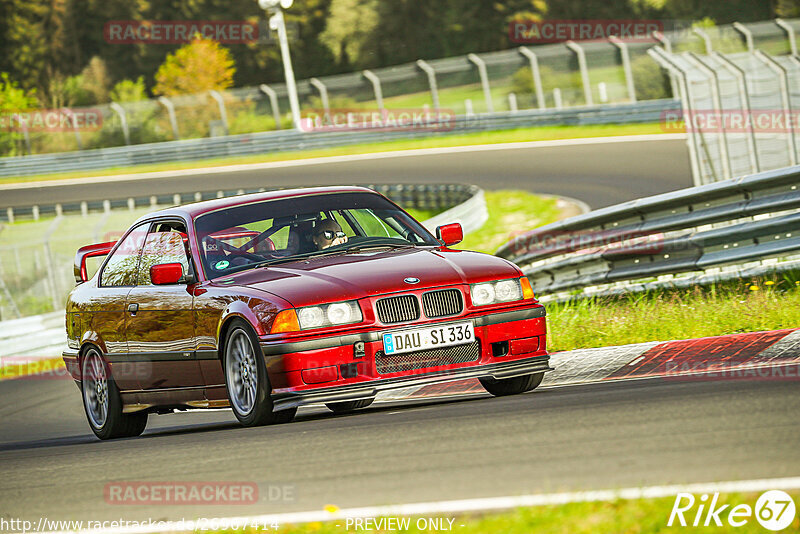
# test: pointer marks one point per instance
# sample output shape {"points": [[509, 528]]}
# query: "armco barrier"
{"points": [[293, 140], [736, 227]]}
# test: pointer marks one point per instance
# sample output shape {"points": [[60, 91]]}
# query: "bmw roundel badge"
{"points": [[411, 280]]}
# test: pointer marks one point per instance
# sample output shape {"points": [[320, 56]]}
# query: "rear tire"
{"points": [[512, 386], [102, 402], [348, 406], [246, 379]]}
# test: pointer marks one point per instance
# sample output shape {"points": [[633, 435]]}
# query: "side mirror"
{"points": [[166, 273], [450, 234]]}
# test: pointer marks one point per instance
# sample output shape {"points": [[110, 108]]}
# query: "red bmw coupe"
{"points": [[276, 300]]}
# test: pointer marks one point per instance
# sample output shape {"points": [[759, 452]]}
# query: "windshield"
{"points": [[279, 231]]}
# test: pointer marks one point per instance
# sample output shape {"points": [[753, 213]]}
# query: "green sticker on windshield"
{"points": [[221, 265]]}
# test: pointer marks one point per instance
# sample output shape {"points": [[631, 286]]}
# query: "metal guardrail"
{"points": [[748, 225], [294, 140]]}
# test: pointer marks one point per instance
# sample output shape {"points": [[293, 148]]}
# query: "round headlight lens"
{"points": [[312, 317], [340, 313], [482, 294], [507, 290]]}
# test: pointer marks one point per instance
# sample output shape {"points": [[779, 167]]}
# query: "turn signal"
{"points": [[285, 321], [527, 290]]}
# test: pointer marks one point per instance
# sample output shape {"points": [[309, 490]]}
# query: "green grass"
{"points": [[542, 133], [512, 212], [769, 303], [640, 516]]}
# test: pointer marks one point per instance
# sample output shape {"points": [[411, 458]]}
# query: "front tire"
{"points": [[348, 406], [246, 379], [102, 402], [512, 386]]}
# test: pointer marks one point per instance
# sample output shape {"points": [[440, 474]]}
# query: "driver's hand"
{"points": [[339, 241]]}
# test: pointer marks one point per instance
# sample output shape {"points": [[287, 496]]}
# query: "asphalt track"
{"points": [[600, 174], [608, 435], [621, 434]]}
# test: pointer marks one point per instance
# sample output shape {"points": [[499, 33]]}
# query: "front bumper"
{"points": [[509, 343], [500, 370]]}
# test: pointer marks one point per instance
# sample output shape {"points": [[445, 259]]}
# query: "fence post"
{"points": [[10, 215], [626, 65], [662, 58], [587, 88], [48, 259], [741, 76], [487, 92], [658, 36], [786, 101], [468, 111], [323, 93], [221, 104], [273, 103], [512, 103], [715, 95], [537, 76], [748, 35], [123, 119], [376, 87], [428, 70], [790, 34], [559, 103], [68, 112], [706, 40], [26, 135], [167, 103], [7, 293]]}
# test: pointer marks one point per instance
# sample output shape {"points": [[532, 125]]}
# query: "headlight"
{"points": [[487, 293], [329, 314], [311, 317], [482, 294], [508, 290]]}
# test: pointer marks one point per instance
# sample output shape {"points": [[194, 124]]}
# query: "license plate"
{"points": [[445, 335]]}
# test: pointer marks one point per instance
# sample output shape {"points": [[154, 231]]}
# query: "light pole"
{"points": [[276, 22]]}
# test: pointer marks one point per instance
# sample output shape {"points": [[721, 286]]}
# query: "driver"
{"points": [[328, 233]]}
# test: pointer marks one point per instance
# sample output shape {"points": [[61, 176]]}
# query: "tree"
{"points": [[350, 29], [129, 91], [197, 67], [13, 99]]}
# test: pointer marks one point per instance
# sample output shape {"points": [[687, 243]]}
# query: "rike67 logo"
{"points": [[774, 510]]}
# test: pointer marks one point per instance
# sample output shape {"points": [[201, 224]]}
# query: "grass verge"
{"points": [[642, 516], [767, 303], [543, 133], [510, 213]]}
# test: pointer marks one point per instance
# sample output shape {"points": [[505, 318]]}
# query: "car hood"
{"points": [[364, 274]]}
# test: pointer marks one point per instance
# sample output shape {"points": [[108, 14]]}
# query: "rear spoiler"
{"points": [[89, 251]]}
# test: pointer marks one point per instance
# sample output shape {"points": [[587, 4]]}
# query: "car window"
{"points": [[161, 247], [374, 225], [120, 269], [278, 231]]}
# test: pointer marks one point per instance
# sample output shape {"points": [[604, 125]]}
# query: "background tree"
{"points": [[200, 66]]}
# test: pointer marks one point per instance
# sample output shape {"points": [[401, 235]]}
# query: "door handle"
{"points": [[133, 308]]}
